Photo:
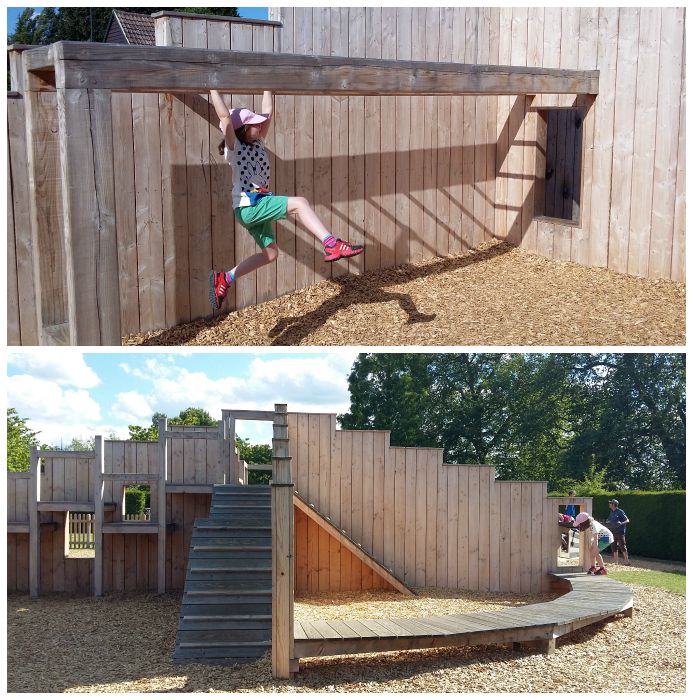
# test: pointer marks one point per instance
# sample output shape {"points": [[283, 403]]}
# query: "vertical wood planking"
{"points": [[221, 205], [503, 129], [481, 147], [474, 510], [126, 227], [386, 233], [430, 154], [505, 528], [399, 508], [432, 458], [304, 153], [389, 503], [345, 519], [403, 133], [378, 491], [444, 129], [485, 485], [678, 261], [409, 544], [357, 144], [587, 60], [313, 492], [538, 498], [442, 526], [463, 528], [525, 531], [357, 470], [453, 517], [420, 516], [644, 140], [263, 42], [197, 146], [515, 159], [664, 245], [372, 115], [416, 144], [366, 493], [624, 145], [516, 537], [285, 171], [458, 238]]}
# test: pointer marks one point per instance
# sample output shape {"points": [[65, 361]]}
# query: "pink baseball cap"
{"points": [[581, 518], [242, 116]]}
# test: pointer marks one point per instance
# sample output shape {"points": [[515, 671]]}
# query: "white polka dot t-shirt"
{"points": [[251, 171]]}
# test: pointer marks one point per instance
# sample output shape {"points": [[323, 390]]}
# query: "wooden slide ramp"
{"points": [[589, 600], [226, 613]]}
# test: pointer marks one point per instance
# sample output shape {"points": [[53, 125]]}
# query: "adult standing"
{"points": [[616, 522]]}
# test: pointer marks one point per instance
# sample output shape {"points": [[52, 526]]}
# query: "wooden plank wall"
{"points": [[324, 565], [410, 177], [472, 178], [432, 524]]}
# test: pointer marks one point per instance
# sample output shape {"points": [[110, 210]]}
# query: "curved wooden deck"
{"points": [[589, 599]]}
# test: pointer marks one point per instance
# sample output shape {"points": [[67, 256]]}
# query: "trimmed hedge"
{"points": [[657, 527], [134, 501]]}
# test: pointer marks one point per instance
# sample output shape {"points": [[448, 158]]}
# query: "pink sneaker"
{"points": [[341, 249], [592, 570], [601, 571], [217, 289]]}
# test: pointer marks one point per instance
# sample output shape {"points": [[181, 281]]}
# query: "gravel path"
{"points": [[496, 295], [125, 644]]}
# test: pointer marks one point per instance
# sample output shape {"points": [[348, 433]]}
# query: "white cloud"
{"points": [[63, 367], [133, 408], [58, 413]]}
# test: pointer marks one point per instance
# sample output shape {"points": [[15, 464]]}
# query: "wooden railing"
{"points": [[81, 531]]}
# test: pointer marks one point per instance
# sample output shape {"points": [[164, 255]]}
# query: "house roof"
{"points": [[137, 29]]}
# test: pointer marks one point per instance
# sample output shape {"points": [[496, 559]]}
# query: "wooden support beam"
{"points": [[243, 414], [99, 465], [81, 65], [88, 199], [282, 549], [161, 507], [34, 530]]}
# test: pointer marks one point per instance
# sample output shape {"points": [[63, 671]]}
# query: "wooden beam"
{"points": [[81, 65], [34, 531], [161, 507], [98, 469], [282, 549], [243, 414], [351, 546]]}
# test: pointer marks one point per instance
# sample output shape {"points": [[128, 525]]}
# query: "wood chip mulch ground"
{"points": [[125, 644], [495, 295]]}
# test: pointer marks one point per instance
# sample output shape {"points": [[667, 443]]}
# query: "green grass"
{"points": [[667, 580]]}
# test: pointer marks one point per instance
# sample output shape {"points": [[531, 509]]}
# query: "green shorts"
{"points": [[258, 218]]}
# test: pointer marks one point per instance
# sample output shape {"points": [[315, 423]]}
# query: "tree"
{"points": [[188, 416], [607, 420], [255, 454], [20, 439], [86, 23]]}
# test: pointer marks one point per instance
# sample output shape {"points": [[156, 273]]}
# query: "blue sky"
{"points": [[68, 393], [249, 12]]}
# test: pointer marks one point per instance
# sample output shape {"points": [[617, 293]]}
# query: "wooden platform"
{"points": [[589, 599]]}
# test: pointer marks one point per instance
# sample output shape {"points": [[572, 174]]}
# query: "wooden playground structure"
{"points": [[344, 511], [419, 131]]}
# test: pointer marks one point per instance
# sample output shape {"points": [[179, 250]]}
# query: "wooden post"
{"points": [[98, 514], [282, 548], [227, 450], [88, 208], [34, 524], [161, 507]]}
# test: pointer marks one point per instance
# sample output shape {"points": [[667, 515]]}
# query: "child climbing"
{"points": [[598, 539], [253, 203]]}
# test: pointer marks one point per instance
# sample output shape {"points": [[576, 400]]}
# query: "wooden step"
{"points": [[230, 548], [226, 592], [230, 569]]}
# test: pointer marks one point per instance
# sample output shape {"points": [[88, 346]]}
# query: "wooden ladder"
{"points": [[226, 614]]}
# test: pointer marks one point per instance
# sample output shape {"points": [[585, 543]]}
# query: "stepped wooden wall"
{"points": [[432, 524]]}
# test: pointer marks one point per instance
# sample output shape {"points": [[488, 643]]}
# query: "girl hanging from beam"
{"points": [[253, 204]]}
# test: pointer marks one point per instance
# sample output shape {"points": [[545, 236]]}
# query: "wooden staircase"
{"points": [[226, 614]]}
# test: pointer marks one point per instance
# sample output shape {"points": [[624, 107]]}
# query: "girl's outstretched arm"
{"points": [[267, 110], [223, 113]]}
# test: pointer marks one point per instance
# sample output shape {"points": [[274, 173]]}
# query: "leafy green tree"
{"points": [[600, 420], [188, 416], [255, 454], [20, 439]]}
